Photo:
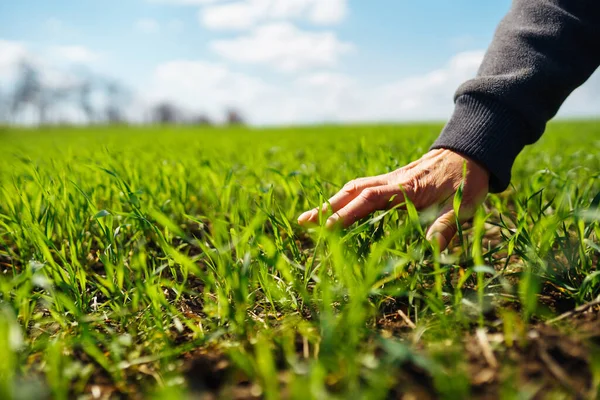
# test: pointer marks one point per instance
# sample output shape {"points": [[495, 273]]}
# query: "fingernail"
{"points": [[307, 216], [331, 221], [429, 235], [438, 238], [304, 216]]}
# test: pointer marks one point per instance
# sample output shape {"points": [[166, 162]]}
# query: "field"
{"points": [[166, 262]]}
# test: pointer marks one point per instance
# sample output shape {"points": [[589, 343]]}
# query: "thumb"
{"points": [[444, 227]]}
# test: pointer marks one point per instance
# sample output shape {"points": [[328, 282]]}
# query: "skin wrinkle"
{"points": [[430, 181]]}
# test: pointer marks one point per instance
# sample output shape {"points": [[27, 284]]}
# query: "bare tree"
{"points": [[234, 117], [84, 94], [117, 98], [28, 90], [201, 120], [4, 106], [44, 103], [32, 92], [166, 113]]}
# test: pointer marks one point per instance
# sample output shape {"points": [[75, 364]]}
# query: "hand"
{"points": [[430, 181]]}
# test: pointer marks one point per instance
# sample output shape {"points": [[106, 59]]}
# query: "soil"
{"points": [[548, 358]]}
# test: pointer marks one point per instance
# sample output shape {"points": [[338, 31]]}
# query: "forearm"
{"points": [[541, 52]]}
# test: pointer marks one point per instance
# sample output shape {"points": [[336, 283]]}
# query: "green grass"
{"points": [[139, 262]]}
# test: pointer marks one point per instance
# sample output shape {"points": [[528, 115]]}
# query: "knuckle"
{"points": [[411, 186], [418, 182], [351, 186], [371, 195]]}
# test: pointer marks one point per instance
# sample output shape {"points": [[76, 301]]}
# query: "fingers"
{"points": [[368, 201], [432, 180], [353, 189], [348, 193], [443, 228]]}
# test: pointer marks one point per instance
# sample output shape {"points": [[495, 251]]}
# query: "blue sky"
{"points": [[281, 61]]}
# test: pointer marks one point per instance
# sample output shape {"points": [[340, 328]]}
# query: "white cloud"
{"points": [[248, 13], [75, 54], [200, 86], [55, 78], [206, 87], [52, 64], [315, 97], [284, 47], [318, 96], [328, 12], [426, 96], [147, 25], [324, 96], [11, 54], [239, 15], [584, 101]]}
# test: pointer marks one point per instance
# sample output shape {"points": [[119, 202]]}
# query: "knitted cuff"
{"points": [[489, 133]]}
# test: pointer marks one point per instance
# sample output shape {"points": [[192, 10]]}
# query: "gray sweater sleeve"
{"points": [[541, 51]]}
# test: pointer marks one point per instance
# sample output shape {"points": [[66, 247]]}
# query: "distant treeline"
{"points": [[86, 98]]}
